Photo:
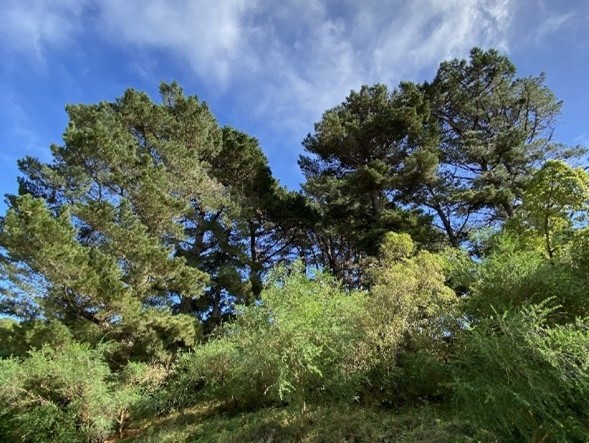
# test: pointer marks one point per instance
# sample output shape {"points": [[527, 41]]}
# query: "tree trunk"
{"points": [[452, 237]]}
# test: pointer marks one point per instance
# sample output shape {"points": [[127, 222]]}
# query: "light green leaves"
{"points": [[556, 200]]}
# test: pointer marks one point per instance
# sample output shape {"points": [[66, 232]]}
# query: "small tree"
{"points": [[557, 197], [410, 309]]}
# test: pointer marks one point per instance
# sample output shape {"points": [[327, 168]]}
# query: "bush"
{"points": [[510, 278], [296, 344], [63, 394], [411, 312], [526, 380], [18, 338]]}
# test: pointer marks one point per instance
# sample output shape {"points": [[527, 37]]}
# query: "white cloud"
{"points": [[311, 56], [277, 65], [300, 57], [282, 62], [208, 35], [32, 26], [428, 32], [20, 138]]}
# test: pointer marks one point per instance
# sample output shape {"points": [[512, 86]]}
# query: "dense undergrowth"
{"points": [[312, 361]]}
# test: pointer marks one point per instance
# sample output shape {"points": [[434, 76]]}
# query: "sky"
{"points": [[268, 68]]}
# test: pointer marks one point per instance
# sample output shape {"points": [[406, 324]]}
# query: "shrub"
{"points": [[510, 278], [296, 344], [526, 380], [411, 312], [63, 394], [18, 338]]}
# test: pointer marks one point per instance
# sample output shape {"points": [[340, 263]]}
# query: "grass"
{"points": [[320, 424]]}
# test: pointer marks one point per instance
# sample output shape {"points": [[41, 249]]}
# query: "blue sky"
{"points": [[269, 68]]}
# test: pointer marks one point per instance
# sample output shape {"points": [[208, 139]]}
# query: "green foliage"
{"points": [[556, 201], [146, 223], [357, 170], [495, 128], [296, 344], [507, 278], [61, 394], [132, 269], [512, 276], [90, 240], [152, 335], [460, 270], [18, 338], [524, 379], [579, 250], [408, 294], [411, 310], [460, 148], [138, 385]]}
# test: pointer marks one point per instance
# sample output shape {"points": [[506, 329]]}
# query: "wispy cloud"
{"points": [[551, 25], [312, 57], [31, 26], [19, 139], [300, 57], [281, 62], [208, 36]]}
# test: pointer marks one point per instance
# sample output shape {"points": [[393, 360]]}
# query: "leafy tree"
{"points": [[411, 311], [91, 288], [261, 229], [18, 288], [556, 200], [357, 158], [18, 338], [153, 229], [515, 273], [100, 224], [460, 148], [579, 250], [494, 129], [147, 220]]}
